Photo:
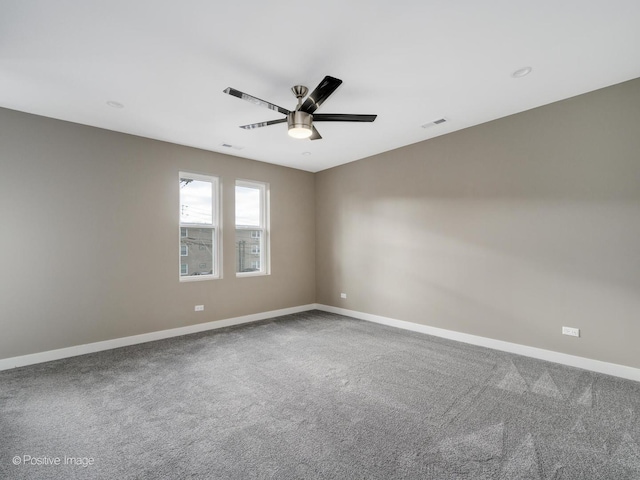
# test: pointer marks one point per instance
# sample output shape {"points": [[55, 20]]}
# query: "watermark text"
{"points": [[43, 460]]}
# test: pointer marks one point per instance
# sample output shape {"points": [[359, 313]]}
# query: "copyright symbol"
{"points": [[17, 460]]}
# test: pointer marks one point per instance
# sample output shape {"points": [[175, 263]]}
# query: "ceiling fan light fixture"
{"points": [[300, 132], [300, 124]]}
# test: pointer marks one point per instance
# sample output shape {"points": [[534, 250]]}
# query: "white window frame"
{"points": [[263, 229], [186, 250], [186, 269], [255, 249], [216, 227]]}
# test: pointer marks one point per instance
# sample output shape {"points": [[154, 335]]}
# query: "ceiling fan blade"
{"points": [[255, 100], [263, 124], [326, 87], [315, 135], [342, 117]]}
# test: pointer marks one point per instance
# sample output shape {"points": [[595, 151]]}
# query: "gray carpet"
{"points": [[316, 395]]}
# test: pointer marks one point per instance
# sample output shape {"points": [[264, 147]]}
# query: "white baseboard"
{"points": [[616, 370], [76, 350]]}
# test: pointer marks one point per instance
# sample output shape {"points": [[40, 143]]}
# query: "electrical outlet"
{"points": [[574, 332], [343, 295], [199, 308]]}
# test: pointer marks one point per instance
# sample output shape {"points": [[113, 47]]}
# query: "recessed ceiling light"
{"points": [[306, 153], [113, 104], [522, 72]]}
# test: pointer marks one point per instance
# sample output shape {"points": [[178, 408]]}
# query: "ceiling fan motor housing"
{"points": [[300, 124]]}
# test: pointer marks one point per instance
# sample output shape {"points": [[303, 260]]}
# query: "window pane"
{"points": [[247, 247], [247, 206], [198, 247], [196, 201]]}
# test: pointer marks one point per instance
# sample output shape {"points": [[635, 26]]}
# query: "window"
{"points": [[199, 226], [252, 228]]}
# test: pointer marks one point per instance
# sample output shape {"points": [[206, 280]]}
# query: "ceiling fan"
{"points": [[300, 120]]}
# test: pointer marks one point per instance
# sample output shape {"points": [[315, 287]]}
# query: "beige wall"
{"points": [[89, 241], [508, 230]]}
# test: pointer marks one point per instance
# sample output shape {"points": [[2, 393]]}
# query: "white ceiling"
{"points": [[409, 61]]}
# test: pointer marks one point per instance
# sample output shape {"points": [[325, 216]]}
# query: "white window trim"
{"points": [[216, 227], [264, 229], [186, 250], [186, 265]]}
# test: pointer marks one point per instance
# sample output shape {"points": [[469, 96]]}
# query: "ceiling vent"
{"points": [[434, 123], [226, 145]]}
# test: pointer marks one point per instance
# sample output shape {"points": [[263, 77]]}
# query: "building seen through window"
{"points": [[248, 244]]}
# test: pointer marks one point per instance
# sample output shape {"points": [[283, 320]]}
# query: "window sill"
{"points": [[198, 278], [251, 274]]}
